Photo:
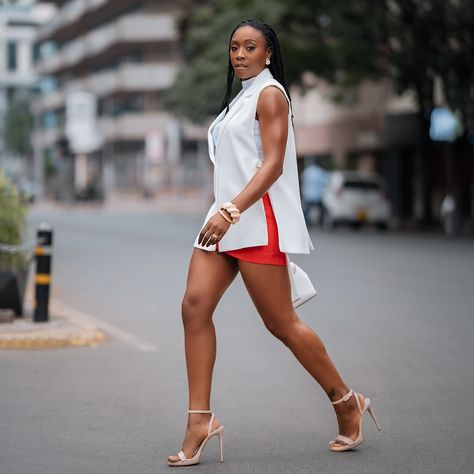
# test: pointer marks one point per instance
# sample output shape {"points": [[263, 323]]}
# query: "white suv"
{"points": [[355, 198]]}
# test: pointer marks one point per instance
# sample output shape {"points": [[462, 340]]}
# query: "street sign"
{"points": [[445, 126], [155, 146], [81, 122]]}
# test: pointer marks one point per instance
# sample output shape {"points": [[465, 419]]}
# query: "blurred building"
{"points": [[125, 53], [376, 130], [18, 24]]}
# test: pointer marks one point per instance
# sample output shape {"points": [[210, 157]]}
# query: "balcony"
{"points": [[130, 29], [134, 77], [18, 78], [127, 78], [51, 101], [132, 126], [71, 12], [46, 137]]}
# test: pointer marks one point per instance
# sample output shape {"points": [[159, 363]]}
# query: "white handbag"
{"points": [[302, 290]]}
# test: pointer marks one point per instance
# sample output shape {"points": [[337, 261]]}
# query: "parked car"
{"points": [[355, 198]]}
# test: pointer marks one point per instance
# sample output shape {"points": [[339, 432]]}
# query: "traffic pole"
{"points": [[43, 255]]}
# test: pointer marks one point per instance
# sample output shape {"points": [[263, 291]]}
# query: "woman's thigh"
{"points": [[209, 275], [270, 289]]}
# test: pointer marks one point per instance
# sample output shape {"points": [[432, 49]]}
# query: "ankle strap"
{"points": [[199, 411], [346, 397]]}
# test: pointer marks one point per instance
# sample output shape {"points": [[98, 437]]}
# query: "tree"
{"points": [[205, 31], [18, 126], [342, 41], [430, 41], [410, 42], [12, 222], [335, 40]]}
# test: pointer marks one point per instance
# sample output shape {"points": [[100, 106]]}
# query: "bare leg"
{"points": [[270, 289], [210, 274]]}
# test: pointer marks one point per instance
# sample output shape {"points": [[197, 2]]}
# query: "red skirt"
{"points": [[269, 254]]}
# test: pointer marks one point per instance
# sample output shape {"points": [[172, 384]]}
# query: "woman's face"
{"points": [[248, 52]]}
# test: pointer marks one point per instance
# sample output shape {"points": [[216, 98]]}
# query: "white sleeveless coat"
{"points": [[235, 158]]}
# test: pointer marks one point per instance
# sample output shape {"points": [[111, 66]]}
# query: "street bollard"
{"points": [[43, 272]]}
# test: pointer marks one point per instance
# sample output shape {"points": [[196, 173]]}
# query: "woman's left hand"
{"points": [[213, 231]]}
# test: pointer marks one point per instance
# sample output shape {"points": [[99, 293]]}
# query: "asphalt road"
{"points": [[396, 313]]}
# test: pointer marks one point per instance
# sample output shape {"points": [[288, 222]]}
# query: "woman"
{"points": [[255, 220]]}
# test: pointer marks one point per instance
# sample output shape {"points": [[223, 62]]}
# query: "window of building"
{"points": [[12, 56], [50, 120], [48, 84], [47, 49], [35, 53], [130, 103], [118, 105]]}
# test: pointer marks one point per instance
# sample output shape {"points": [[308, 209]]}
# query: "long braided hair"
{"points": [[276, 64]]}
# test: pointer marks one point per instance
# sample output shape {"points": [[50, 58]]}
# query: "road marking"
{"points": [[86, 321]]}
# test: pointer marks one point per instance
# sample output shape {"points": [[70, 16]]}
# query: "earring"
{"points": [[267, 61]]}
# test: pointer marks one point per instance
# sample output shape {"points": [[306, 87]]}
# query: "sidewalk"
{"points": [[67, 327], [62, 329], [167, 202]]}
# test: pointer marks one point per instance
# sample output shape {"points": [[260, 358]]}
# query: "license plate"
{"points": [[362, 215]]}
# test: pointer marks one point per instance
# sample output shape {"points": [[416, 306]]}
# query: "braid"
{"points": [[276, 64], [228, 94]]}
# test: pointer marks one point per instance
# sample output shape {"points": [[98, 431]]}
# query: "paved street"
{"points": [[395, 313]]}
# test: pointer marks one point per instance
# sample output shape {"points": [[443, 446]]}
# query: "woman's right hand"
{"points": [[214, 230]]}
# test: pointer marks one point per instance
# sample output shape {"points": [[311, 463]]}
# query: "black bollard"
{"points": [[43, 272]]}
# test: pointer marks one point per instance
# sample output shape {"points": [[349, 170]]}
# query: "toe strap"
{"points": [[182, 456], [344, 439]]}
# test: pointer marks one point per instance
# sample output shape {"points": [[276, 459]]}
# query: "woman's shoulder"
{"points": [[272, 97], [272, 89]]}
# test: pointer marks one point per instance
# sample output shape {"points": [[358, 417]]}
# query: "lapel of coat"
{"points": [[221, 117], [234, 106], [210, 139]]}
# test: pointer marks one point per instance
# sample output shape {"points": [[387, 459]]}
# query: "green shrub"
{"points": [[12, 223]]}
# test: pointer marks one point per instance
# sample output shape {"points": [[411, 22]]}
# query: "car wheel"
{"points": [[382, 226], [356, 225]]}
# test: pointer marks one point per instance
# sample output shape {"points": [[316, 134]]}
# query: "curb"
{"points": [[117, 204], [59, 331]]}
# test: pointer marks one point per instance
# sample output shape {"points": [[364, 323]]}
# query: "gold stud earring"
{"points": [[267, 61]]}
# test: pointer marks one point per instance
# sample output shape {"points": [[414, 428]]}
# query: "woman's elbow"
{"points": [[274, 171]]}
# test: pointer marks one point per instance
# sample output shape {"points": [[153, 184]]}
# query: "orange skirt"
{"points": [[269, 254]]}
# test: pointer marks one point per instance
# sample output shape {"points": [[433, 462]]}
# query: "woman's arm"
{"points": [[272, 112]]}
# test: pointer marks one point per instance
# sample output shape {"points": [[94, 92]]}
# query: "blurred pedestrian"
{"points": [[313, 181], [449, 216], [255, 220]]}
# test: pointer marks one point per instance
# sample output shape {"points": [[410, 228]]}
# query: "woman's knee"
{"points": [[295, 331], [194, 310], [282, 327]]}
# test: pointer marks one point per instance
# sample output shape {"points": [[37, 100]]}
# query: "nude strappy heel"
{"points": [[184, 461], [352, 443]]}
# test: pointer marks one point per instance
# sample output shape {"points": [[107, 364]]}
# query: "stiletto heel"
{"points": [[184, 461], [372, 414], [221, 442], [348, 442]]}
